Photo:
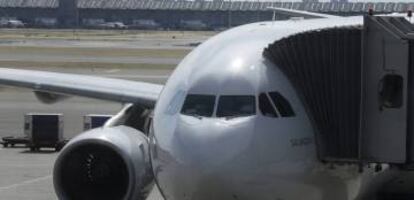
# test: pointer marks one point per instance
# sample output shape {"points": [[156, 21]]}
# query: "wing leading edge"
{"points": [[124, 91]]}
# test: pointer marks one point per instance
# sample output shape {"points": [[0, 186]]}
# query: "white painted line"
{"points": [[25, 183]]}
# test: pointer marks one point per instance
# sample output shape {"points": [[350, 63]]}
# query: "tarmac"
{"points": [[26, 175]]}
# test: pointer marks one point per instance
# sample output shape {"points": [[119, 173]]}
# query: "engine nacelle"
{"points": [[104, 163], [49, 98]]}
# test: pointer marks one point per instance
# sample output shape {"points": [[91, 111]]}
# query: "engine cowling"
{"points": [[105, 163], [49, 98]]}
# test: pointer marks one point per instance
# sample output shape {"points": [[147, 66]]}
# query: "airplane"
{"points": [[196, 25], [112, 25], [229, 124], [145, 24], [12, 23]]}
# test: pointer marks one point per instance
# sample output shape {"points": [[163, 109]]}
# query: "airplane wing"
{"points": [[124, 91], [299, 13]]}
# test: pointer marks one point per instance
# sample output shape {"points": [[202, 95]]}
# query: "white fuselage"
{"points": [[245, 157]]}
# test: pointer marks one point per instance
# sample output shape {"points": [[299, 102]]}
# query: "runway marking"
{"points": [[25, 183]]}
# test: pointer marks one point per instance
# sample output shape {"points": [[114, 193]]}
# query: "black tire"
{"points": [[12, 145], [5, 145], [32, 148]]}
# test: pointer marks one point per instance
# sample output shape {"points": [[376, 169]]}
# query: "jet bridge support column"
{"points": [[387, 90]]}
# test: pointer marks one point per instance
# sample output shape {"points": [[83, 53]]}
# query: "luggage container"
{"points": [[13, 141], [44, 130], [92, 121]]}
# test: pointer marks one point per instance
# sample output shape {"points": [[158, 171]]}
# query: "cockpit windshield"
{"points": [[271, 104], [282, 104], [236, 106], [199, 105]]}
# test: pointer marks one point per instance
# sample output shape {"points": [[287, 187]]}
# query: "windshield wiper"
{"points": [[236, 116], [197, 116]]}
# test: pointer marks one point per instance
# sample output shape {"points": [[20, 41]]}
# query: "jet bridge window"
{"points": [[282, 104], [199, 105], [266, 107], [236, 106], [391, 91]]}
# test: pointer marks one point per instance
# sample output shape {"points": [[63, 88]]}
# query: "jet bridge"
{"points": [[355, 83]]}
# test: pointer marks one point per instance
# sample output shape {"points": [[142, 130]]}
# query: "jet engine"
{"points": [[104, 163], [49, 98]]}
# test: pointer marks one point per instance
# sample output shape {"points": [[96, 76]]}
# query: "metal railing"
{"points": [[337, 7]]}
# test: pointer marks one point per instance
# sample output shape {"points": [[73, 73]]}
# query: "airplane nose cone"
{"points": [[211, 142], [204, 153]]}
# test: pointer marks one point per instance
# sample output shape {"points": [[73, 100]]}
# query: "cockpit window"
{"points": [[236, 106], [282, 104], [266, 107], [199, 105]]}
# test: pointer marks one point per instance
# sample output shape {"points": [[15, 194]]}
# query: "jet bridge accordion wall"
{"points": [[325, 68]]}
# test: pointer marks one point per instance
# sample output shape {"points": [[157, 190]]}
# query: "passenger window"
{"points": [[266, 107], [199, 105], [236, 106], [282, 104]]}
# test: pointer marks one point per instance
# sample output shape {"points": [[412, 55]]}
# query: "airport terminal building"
{"points": [[171, 14]]}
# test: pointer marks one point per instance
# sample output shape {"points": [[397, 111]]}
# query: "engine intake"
{"points": [[106, 163]]}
